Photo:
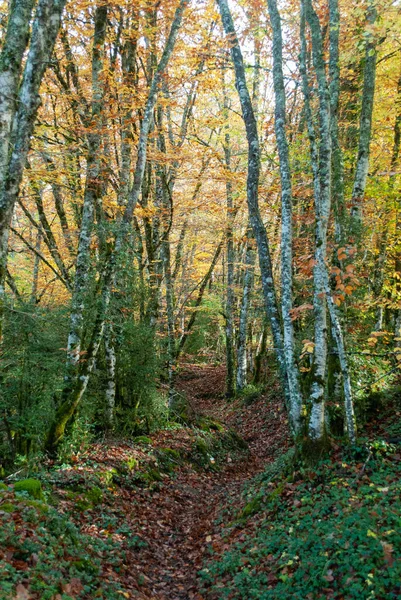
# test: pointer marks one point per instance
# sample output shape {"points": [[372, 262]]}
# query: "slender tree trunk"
{"points": [[250, 251], [260, 353], [36, 267], [242, 362], [286, 219], [15, 43], [322, 210], [336, 157], [334, 375], [111, 375], [365, 124], [397, 263], [229, 310]]}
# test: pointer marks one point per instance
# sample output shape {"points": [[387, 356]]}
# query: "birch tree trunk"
{"points": [[322, 210], [286, 218]]}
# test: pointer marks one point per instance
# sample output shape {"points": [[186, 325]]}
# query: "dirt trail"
{"points": [[177, 521]]}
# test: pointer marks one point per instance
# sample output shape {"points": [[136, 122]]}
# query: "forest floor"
{"points": [[147, 530], [180, 520], [214, 507]]}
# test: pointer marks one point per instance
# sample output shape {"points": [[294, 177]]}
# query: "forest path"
{"points": [[178, 520]]}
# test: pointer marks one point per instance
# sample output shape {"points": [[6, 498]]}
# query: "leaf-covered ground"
{"points": [[137, 520], [194, 513]]}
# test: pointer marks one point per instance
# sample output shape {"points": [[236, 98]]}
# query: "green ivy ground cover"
{"points": [[329, 532]]}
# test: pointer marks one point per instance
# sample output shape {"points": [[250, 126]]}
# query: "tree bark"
{"points": [[365, 124], [322, 210], [111, 375], [229, 309], [242, 362], [286, 219]]}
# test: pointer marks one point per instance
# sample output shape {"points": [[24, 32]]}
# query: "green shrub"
{"points": [[32, 375]]}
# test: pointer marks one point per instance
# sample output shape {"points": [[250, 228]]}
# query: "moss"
{"points": [[311, 451], [85, 565], [251, 508], [131, 464], [234, 440], [7, 507], [142, 439], [258, 501], [201, 446], [106, 477], [250, 394], [94, 496], [148, 477], [207, 424], [32, 486], [3, 487]]}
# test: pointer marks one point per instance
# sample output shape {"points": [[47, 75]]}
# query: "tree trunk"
{"points": [[111, 375], [242, 362], [229, 309], [322, 210], [36, 267], [286, 219], [365, 124]]}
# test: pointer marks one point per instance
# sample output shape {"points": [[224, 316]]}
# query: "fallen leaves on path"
{"points": [[165, 528]]}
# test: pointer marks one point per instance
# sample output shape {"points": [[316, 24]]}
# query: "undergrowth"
{"points": [[328, 531]]}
